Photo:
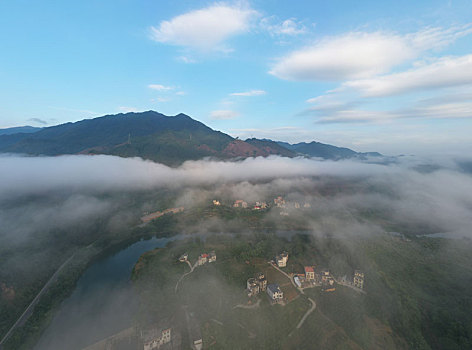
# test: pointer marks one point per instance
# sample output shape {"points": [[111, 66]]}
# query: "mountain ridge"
{"points": [[155, 136]]}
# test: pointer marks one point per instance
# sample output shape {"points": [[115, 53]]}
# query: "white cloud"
{"points": [[327, 102], [206, 28], [186, 59], [224, 114], [446, 110], [353, 55], [282, 133], [160, 99], [125, 109], [437, 38], [181, 93], [249, 93], [445, 72], [160, 87], [357, 116], [288, 27], [453, 110], [359, 55]]}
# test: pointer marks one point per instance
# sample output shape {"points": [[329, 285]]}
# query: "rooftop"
{"points": [[274, 288]]}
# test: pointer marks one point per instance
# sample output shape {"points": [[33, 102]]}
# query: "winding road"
{"points": [[187, 273], [313, 303]]}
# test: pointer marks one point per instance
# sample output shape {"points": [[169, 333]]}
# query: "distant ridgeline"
{"points": [[151, 135]]}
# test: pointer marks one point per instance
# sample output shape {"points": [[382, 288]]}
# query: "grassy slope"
{"points": [[220, 286]]}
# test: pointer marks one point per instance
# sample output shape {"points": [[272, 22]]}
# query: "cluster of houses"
{"points": [[202, 258], [206, 258], [279, 202], [322, 278], [258, 284]]}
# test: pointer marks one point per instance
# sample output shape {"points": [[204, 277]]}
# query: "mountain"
{"points": [[271, 147], [19, 129], [151, 135], [322, 150]]}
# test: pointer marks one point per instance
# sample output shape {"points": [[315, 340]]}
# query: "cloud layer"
{"points": [[439, 198]]}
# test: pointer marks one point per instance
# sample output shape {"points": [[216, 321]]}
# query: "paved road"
{"points": [[313, 307], [313, 304], [29, 310], [187, 273]]}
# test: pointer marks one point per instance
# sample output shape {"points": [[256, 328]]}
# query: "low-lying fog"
{"points": [[81, 188], [48, 203]]}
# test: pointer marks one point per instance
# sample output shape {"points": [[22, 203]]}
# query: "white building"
{"points": [[240, 204], [359, 279], [281, 259], [154, 338], [212, 257], [274, 292], [252, 287], [202, 259]]}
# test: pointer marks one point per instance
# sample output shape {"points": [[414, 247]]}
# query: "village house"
{"points": [[309, 273], [359, 279], [274, 292], [256, 284], [183, 257], [240, 204], [212, 257], [206, 258], [262, 281], [252, 287], [324, 275], [279, 202], [299, 279], [307, 205], [260, 205], [327, 281], [155, 338], [202, 259], [281, 259], [216, 202]]}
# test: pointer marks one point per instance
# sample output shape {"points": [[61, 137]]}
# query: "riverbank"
{"points": [[29, 331]]}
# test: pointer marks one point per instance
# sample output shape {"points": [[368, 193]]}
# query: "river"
{"points": [[102, 303]]}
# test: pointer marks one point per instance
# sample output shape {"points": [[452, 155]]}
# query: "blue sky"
{"points": [[388, 76]]}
